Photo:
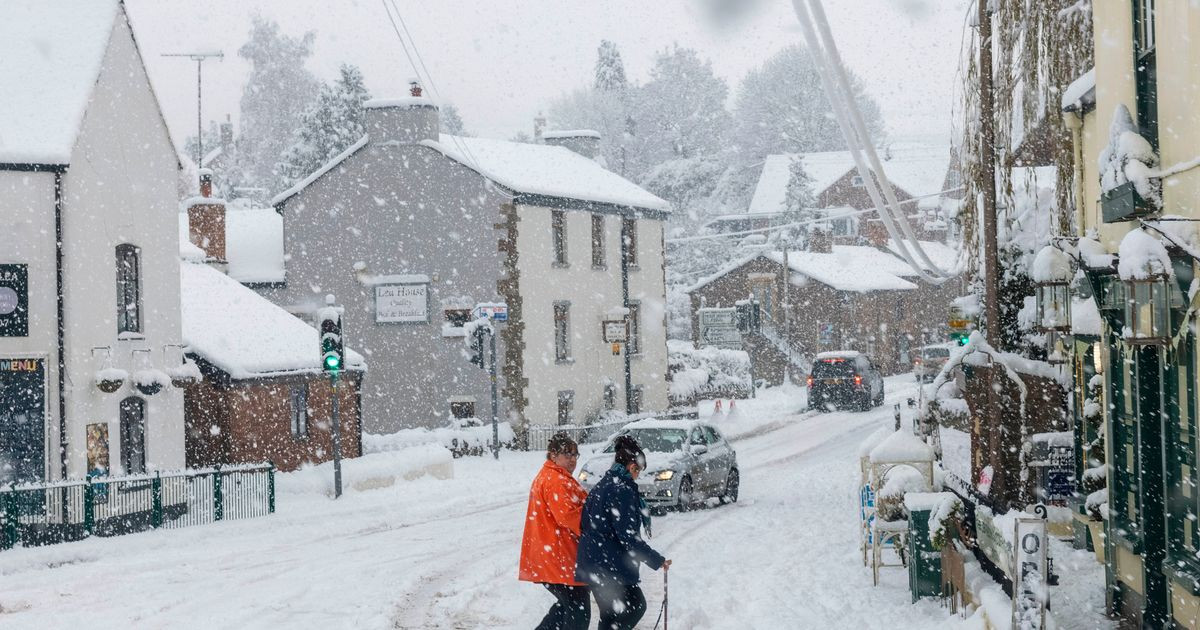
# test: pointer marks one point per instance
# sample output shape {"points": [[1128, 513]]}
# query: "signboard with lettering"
{"points": [[402, 303], [22, 420], [616, 331], [14, 300], [718, 327], [1030, 568]]}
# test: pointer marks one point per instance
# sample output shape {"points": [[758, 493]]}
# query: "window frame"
{"points": [[565, 410], [629, 242], [634, 345], [128, 259], [562, 337], [132, 421], [1145, 69], [558, 238], [457, 405], [298, 410]]}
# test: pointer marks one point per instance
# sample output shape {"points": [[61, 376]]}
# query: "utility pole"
{"points": [[993, 414], [199, 58], [626, 243], [787, 301], [495, 404]]}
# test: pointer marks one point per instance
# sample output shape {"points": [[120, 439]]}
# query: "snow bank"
{"points": [[371, 471], [462, 438], [901, 446], [1142, 256]]}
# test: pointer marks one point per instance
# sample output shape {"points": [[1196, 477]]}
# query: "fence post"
{"points": [[8, 538], [89, 507], [270, 488], [218, 503], [156, 511]]}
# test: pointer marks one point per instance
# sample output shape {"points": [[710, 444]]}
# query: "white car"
{"points": [[930, 360], [687, 462]]}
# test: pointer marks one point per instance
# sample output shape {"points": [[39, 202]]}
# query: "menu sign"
{"points": [[402, 303], [14, 300]]}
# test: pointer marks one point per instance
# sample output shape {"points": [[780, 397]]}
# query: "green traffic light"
{"points": [[332, 362]]}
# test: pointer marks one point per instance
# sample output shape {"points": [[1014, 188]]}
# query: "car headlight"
{"points": [[583, 475], [665, 475]]}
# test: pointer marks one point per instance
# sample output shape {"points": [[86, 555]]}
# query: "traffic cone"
{"points": [[733, 414], [717, 413]]}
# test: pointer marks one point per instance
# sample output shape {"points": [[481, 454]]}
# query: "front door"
{"points": [[22, 420]]}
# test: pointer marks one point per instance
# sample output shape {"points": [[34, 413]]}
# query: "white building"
{"points": [[89, 277]]}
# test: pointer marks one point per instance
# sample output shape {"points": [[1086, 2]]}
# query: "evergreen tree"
{"points": [[451, 121], [799, 202], [278, 92], [610, 70], [333, 123]]}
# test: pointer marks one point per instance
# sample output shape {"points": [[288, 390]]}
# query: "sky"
{"points": [[502, 61]]}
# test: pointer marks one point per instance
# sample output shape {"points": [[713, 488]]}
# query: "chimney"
{"points": [[539, 127], [407, 120], [206, 221], [582, 141], [819, 240]]}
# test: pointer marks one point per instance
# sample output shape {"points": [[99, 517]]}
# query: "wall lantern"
{"points": [[1058, 349], [1148, 311], [1051, 274]]}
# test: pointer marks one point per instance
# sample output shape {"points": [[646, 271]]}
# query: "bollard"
{"points": [[218, 503], [156, 509], [270, 488]]}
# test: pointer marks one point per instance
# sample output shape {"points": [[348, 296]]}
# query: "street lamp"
{"points": [[1147, 310], [1052, 276]]}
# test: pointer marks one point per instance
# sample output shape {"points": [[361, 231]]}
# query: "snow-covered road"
{"points": [[442, 553]]}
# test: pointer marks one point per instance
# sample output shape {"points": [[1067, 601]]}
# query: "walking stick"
{"points": [[665, 613]]}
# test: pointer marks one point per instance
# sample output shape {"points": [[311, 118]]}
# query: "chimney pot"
{"points": [[414, 88], [206, 183]]}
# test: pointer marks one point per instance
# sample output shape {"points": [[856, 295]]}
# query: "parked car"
{"points": [[844, 379], [930, 361], [687, 462]]}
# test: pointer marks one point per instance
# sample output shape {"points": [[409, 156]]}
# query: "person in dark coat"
{"points": [[611, 545]]}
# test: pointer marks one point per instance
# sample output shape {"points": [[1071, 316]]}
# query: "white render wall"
{"points": [[121, 188], [593, 294]]}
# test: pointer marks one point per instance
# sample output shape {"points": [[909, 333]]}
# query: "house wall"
{"points": [[593, 294], [253, 419], [398, 209], [120, 188], [843, 193]]}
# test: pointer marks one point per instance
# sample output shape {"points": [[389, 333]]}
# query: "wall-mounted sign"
{"points": [[495, 311], [22, 420], [616, 331], [402, 303], [14, 300]]}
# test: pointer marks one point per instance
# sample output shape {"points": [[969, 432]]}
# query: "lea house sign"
{"points": [[14, 300], [402, 303]]}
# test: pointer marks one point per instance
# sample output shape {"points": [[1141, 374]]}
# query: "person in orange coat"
{"points": [[551, 537]]}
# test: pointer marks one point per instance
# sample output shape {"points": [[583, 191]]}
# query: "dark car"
{"points": [[844, 379]]}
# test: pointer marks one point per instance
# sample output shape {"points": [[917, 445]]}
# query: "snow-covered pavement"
{"points": [[442, 553]]}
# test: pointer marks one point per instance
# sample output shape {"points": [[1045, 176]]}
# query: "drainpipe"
{"points": [[625, 303], [62, 328]]}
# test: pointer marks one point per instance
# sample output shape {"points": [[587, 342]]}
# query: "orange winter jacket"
{"points": [[552, 527]]}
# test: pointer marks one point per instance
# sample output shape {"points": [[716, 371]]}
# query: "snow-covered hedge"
{"points": [[371, 471], [463, 437], [708, 372]]}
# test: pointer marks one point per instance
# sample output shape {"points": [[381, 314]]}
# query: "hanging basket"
{"points": [[185, 375], [150, 382], [110, 380]]}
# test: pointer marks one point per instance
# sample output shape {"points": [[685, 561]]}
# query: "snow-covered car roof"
{"points": [[839, 354], [659, 423]]}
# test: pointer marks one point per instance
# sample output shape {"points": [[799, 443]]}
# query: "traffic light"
{"points": [[332, 352], [477, 346], [960, 338]]}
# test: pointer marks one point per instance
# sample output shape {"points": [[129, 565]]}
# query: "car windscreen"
{"points": [[833, 368], [655, 440], [936, 353]]}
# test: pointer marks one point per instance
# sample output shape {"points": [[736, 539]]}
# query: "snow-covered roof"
{"points": [[52, 53], [539, 169], [209, 157], [917, 169], [534, 169], [838, 354], [843, 269], [403, 101], [571, 133], [254, 244], [243, 333]]}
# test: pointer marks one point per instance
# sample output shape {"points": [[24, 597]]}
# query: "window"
{"points": [[629, 241], [635, 328], [635, 400], [298, 398], [133, 436], [558, 235], [856, 181], [610, 397], [462, 409], [129, 289], [566, 406], [1145, 69], [457, 317], [562, 331], [598, 241], [714, 437]]}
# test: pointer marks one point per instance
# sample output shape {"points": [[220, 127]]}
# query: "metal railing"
{"points": [[50, 513]]}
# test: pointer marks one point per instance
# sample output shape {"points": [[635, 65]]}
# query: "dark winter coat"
{"points": [[611, 545]]}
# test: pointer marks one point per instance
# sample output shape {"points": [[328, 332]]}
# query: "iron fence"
{"points": [[49, 513]]}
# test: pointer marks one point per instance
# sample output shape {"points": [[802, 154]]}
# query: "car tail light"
{"points": [[810, 381], [858, 380]]}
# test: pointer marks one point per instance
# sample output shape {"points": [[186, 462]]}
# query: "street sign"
{"points": [[495, 311], [616, 331], [718, 327]]}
